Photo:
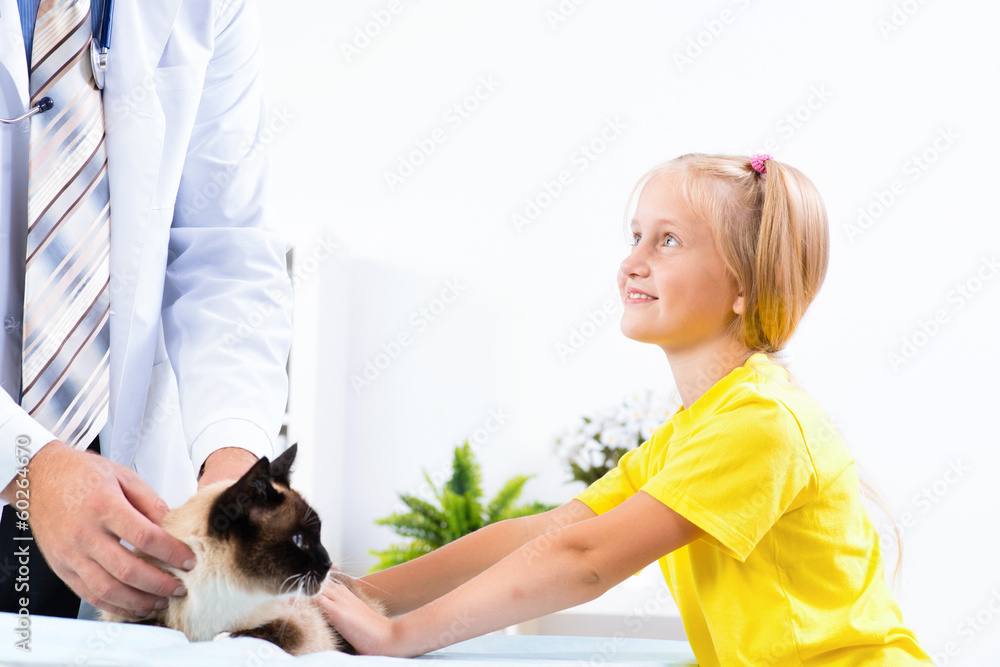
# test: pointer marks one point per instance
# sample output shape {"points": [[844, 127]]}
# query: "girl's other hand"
{"points": [[368, 632]]}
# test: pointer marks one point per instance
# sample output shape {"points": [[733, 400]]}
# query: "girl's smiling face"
{"points": [[674, 286]]}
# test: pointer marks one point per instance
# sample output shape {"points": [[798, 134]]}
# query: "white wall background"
{"points": [[881, 96]]}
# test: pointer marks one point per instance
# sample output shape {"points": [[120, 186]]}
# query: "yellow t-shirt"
{"points": [[789, 571]]}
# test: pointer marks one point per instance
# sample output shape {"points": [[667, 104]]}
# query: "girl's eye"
{"points": [[636, 237]]}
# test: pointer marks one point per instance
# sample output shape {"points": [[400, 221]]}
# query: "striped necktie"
{"points": [[66, 297]]}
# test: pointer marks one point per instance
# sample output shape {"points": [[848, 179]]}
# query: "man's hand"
{"points": [[80, 505], [226, 463]]}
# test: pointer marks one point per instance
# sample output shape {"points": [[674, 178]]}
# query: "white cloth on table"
{"points": [[63, 641]]}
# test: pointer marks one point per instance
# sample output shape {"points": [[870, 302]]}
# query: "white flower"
{"points": [[591, 429], [615, 437], [626, 425]]}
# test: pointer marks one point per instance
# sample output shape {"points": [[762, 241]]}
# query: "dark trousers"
{"points": [[46, 593]]}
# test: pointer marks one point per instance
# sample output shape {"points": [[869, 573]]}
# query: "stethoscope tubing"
{"points": [[43, 105], [101, 43], [99, 47]]}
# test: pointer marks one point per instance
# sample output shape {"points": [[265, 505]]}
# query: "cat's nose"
{"points": [[323, 558]]}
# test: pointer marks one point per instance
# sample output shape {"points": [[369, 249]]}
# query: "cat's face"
{"points": [[274, 532]]}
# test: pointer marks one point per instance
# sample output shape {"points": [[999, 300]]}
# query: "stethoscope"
{"points": [[99, 47]]}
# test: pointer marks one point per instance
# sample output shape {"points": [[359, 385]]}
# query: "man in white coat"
{"points": [[193, 378]]}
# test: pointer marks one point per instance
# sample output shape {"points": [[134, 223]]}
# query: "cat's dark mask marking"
{"points": [[258, 544], [277, 534], [251, 493]]}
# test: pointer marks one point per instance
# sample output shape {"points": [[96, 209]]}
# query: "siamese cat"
{"points": [[259, 562]]}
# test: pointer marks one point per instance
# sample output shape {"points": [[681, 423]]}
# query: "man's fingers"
{"points": [[149, 538], [141, 495], [138, 529], [84, 593], [138, 575], [105, 592]]}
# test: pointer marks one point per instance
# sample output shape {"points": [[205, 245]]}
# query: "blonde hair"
{"points": [[772, 233]]}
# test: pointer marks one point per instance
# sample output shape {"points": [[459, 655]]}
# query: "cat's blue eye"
{"points": [[299, 541]]}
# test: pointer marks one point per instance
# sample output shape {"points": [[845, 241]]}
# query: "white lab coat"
{"points": [[200, 297]]}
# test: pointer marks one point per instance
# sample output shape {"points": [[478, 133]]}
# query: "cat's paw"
{"points": [[222, 636]]}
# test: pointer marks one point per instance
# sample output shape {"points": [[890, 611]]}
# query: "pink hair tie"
{"points": [[757, 162]]}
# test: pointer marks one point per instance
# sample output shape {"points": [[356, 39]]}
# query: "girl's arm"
{"points": [[559, 569], [417, 582]]}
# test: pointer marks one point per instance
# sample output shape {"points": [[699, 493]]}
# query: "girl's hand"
{"points": [[368, 632]]}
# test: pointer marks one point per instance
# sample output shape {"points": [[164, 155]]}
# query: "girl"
{"points": [[747, 496]]}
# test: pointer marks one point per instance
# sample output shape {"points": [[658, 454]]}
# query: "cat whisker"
{"points": [[378, 588], [311, 517], [292, 586]]}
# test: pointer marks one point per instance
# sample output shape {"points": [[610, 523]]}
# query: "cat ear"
{"points": [[250, 491], [282, 465]]}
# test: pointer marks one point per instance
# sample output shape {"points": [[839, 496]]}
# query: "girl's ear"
{"points": [[739, 304]]}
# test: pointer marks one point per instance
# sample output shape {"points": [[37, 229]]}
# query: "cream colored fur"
{"points": [[219, 598]]}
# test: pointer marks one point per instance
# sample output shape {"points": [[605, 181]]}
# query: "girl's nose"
{"points": [[635, 263]]}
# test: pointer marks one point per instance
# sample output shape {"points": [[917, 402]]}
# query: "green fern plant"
{"points": [[459, 511]]}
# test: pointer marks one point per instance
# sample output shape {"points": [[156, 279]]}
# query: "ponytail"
{"points": [[783, 287]]}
